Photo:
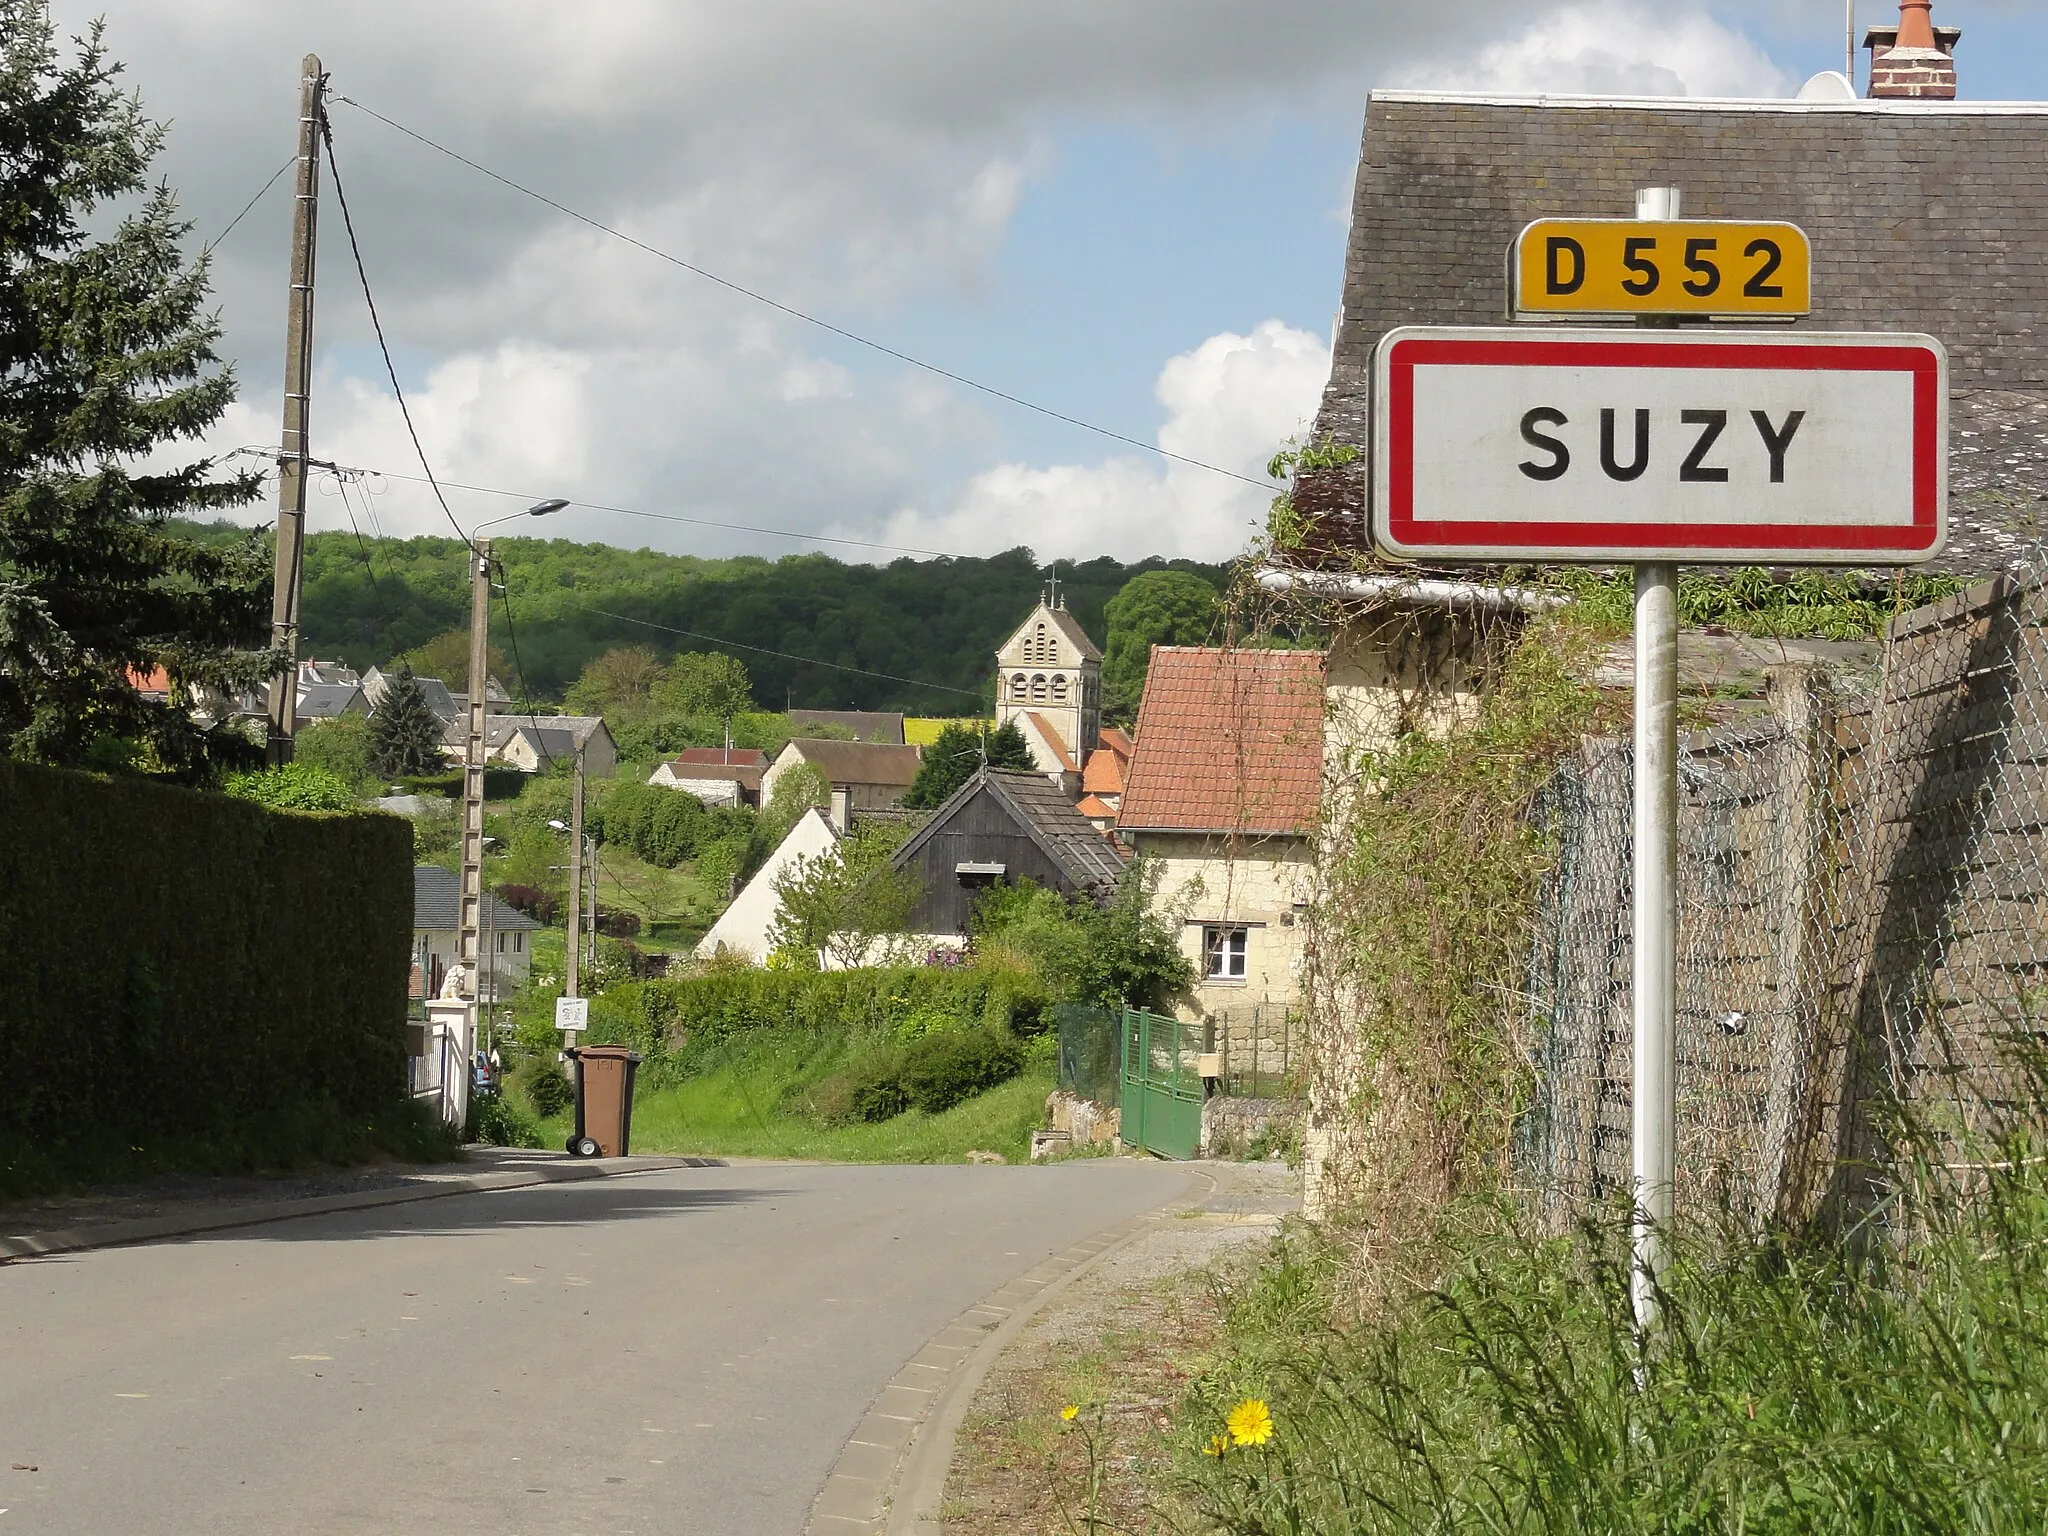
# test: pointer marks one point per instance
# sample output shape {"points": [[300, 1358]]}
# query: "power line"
{"points": [[377, 325], [376, 592], [915, 682], [794, 313], [246, 207]]}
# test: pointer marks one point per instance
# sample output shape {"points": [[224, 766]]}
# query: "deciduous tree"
{"points": [[1155, 608]]}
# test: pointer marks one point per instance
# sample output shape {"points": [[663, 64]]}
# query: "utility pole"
{"points": [[468, 943], [296, 445], [574, 948]]}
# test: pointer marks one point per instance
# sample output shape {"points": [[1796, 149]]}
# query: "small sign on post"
{"points": [[1702, 269], [572, 1014]]}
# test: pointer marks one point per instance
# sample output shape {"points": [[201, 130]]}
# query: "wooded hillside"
{"points": [[937, 621]]}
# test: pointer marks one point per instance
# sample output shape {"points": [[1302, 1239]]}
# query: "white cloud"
{"points": [[1614, 48], [1231, 403]]}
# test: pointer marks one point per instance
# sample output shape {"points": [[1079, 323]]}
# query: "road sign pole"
{"points": [[1656, 926], [1655, 980]]}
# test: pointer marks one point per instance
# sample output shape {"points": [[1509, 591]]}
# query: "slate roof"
{"points": [[866, 725], [859, 762], [746, 775], [1048, 817], [1229, 741], [499, 729], [437, 904], [327, 701], [1923, 217]]}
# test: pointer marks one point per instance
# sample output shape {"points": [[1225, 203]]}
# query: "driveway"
{"points": [[675, 1352]]}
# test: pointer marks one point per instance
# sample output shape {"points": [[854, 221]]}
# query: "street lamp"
{"points": [[538, 509]]}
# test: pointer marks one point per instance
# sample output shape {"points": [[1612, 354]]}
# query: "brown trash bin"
{"points": [[604, 1099]]}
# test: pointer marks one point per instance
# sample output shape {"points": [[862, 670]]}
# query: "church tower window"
{"points": [[1038, 688], [1059, 690]]}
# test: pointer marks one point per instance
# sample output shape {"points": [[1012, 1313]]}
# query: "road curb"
{"points": [[118, 1234], [891, 1476]]}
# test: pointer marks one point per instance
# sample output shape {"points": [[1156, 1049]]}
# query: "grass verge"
{"points": [[736, 1112]]}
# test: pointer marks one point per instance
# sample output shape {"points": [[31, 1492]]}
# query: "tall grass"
{"points": [[1889, 1386]]}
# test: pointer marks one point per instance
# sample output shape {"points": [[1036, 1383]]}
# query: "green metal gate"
{"points": [[1162, 1084]]}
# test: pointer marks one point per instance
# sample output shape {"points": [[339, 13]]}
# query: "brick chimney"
{"points": [[1914, 61]]}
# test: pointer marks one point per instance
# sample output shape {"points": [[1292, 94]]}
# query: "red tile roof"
{"points": [[1104, 774], [1095, 809], [155, 680], [1116, 739], [723, 757], [1228, 741]]}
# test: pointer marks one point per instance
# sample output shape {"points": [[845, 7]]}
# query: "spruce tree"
{"points": [[956, 757], [106, 358], [405, 735]]}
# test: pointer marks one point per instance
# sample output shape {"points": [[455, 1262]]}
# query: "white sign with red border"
{"points": [[1493, 444]]}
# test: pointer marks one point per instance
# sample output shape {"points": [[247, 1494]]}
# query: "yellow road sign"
{"points": [[1699, 267]]}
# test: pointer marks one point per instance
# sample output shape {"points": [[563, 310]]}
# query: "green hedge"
{"points": [[186, 965], [677, 1019], [500, 783]]}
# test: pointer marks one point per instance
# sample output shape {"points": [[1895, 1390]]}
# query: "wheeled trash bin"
{"points": [[604, 1099]]}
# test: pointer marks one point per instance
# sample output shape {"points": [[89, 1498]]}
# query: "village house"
{"points": [[715, 775], [1223, 792], [506, 952], [997, 829], [863, 776], [536, 743], [744, 929]]}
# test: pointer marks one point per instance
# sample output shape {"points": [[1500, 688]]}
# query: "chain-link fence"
{"points": [[1863, 918], [1088, 1064]]}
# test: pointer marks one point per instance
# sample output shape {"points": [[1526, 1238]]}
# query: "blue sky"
{"points": [[1132, 213]]}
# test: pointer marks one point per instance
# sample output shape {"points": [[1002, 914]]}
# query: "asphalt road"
{"points": [[673, 1352]]}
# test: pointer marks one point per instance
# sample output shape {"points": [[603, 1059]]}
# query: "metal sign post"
{"points": [[1649, 446], [1653, 1096]]}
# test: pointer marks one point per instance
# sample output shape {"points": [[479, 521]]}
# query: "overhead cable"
{"points": [[216, 240], [798, 314]]}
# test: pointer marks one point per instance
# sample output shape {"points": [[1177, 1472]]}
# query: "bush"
{"points": [[541, 1081], [940, 1071], [293, 787], [500, 1121], [614, 924], [536, 903], [679, 1019], [931, 1073]]}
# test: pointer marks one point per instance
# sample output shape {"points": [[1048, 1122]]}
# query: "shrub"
{"points": [[940, 1071], [614, 924], [536, 903], [293, 787], [542, 1082], [500, 1121], [931, 1073]]}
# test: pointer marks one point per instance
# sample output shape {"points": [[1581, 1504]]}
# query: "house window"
{"points": [[1223, 953], [501, 943], [518, 943]]}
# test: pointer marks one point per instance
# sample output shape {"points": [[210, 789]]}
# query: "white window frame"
{"points": [[1226, 952]]}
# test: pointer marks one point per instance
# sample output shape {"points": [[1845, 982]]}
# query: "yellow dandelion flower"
{"points": [[1217, 1445], [1250, 1422], [1071, 1412]]}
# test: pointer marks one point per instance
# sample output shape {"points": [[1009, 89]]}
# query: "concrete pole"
{"points": [[1655, 978], [469, 941], [573, 949], [295, 444]]}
